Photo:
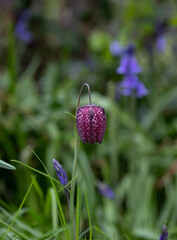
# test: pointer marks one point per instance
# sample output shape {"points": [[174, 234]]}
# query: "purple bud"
{"points": [[21, 28], [115, 48], [60, 172], [105, 190], [161, 43], [91, 123], [164, 233]]}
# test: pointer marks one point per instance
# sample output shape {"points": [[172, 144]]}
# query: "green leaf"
{"points": [[6, 165]]}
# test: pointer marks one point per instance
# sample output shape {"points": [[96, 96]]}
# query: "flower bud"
{"points": [[60, 172], [164, 233], [91, 123]]}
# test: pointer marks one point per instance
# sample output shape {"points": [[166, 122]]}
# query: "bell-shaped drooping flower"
{"points": [[90, 121], [60, 172], [131, 85], [129, 64], [164, 233], [105, 190], [130, 68]]}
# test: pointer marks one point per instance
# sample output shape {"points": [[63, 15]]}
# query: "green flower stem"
{"points": [[73, 182], [132, 158], [113, 134], [132, 136]]}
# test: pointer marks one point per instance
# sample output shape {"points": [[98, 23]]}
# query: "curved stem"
{"points": [[85, 84]]}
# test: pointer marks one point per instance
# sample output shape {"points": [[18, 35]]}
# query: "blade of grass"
{"points": [[54, 209], [14, 230], [6, 165], [158, 107], [61, 215], [70, 114], [21, 224], [45, 175], [39, 191], [88, 212], [77, 213], [16, 215], [100, 231], [50, 234], [5, 205]]}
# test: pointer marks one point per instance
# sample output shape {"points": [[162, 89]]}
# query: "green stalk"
{"points": [[73, 182], [132, 130], [72, 219], [113, 134], [132, 158]]}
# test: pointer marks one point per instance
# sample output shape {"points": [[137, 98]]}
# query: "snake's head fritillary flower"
{"points": [[164, 233], [60, 172], [90, 121]]}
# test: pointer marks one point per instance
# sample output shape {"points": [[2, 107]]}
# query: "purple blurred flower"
{"points": [[164, 233], [161, 43], [60, 172], [115, 48], [105, 190], [160, 31], [129, 67], [131, 85], [21, 27]]}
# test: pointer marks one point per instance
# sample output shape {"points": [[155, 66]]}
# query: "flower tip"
{"points": [[164, 233], [54, 161]]}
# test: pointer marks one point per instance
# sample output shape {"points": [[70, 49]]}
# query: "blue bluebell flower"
{"points": [[128, 65], [131, 85], [60, 172], [105, 190], [161, 43], [21, 27], [164, 233], [130, 68], [115, 48], [160, 30]]}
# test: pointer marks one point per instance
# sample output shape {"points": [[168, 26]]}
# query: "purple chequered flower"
{"points": [[91, 123], [164, 233], [21, 27], [90, 120], [105, 190], [60, 172]]}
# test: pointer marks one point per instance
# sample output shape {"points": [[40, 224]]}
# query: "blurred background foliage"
{"points": [[48, 50]]}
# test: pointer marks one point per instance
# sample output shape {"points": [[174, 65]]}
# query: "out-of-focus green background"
{"points": [[60, 45]]}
